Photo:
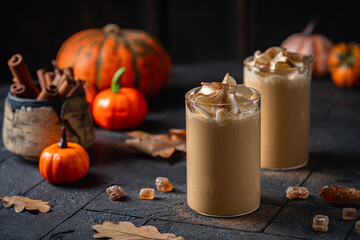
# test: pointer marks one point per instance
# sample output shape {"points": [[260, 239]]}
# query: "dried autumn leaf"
{"points": [[127, 230], [20, 203], [155, 145], [178, 137], [151, 146]]}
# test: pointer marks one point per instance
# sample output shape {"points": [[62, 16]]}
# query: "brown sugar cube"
{"points": [[163, 184], [340, 195], [349, 213], [296, 192], [357, 227], [147, 193], [320, 223], [115, 192]]}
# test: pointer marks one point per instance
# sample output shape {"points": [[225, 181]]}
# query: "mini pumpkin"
{"points": [[344, 64], [96, 54], [119, 107], [64, 162], [316, 45]]}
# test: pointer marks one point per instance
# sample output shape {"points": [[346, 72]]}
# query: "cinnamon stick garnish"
{"points": [[21, 73], [41, 77], [18, 90], [49, 77], [48, 93], [66, 86], [77, 88]]}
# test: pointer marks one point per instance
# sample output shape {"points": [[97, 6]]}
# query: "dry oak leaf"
{"points": [[20, 203], [128, 231], [155, 145], [178, 137]]}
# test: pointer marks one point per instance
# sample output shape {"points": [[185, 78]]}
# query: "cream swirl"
{"points": [[279, 61], [219, 101]]}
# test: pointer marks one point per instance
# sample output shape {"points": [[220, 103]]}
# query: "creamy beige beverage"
{"points": [[223, 148], [283, 79]]}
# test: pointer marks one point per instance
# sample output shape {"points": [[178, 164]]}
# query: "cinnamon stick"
{"points": [[66, 86], [18, 90], [21, 74], [68, 71], [57, 70], [41, 77], [77, 88], [49, 92], [58, 78], [49, 77]]}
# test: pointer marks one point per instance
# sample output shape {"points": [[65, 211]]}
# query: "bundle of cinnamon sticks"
{"points": [[59, 83]]}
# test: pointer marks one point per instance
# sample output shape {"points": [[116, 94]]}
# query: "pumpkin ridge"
{"points": [[164, 64], [55, 167], [118, 42], [76, 56], [134, 62], [99, 62], [153, 84], [118, 99], [157, 53], [47, 169], [133, 109], [70, 41], [148, 49], [77, 157]]}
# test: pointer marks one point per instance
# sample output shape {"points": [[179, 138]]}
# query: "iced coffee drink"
{"points": [[223, 148], [283, 79]]}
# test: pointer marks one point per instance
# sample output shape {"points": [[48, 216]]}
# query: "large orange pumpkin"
{"points": [[90, 92], [96, 54], [316, 45]]}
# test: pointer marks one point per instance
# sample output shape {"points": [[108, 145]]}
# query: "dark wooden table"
{"points": [[334, 159]]}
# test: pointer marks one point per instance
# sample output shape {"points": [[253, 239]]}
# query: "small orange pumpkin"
{"points": [[119, 108], [344, 64], [316, 45], [64, 162], [96, 54]]}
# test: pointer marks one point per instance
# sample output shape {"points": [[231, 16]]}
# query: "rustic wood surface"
{"points": [[334, 159]]}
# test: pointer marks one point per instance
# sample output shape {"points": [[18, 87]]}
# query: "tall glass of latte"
{"points": [[223, 148], [283, 78]]}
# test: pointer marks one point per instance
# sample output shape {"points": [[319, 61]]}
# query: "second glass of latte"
{"points": [[283, 79]]}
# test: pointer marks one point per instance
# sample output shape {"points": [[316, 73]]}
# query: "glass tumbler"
{"points": [[223, 159]]}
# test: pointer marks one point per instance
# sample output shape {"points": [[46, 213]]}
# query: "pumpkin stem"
{"points": [[111, 28], [63, 143], [115, 83], [309, 28]]}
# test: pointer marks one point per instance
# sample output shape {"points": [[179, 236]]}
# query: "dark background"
{"points": [[191, 31]]}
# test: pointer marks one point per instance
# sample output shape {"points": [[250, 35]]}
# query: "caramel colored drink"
{"points": [[283, 79], [223, 148]]}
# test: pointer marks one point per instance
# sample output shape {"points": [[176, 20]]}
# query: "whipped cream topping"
{"points": [[221, 101], [279, 61]]}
